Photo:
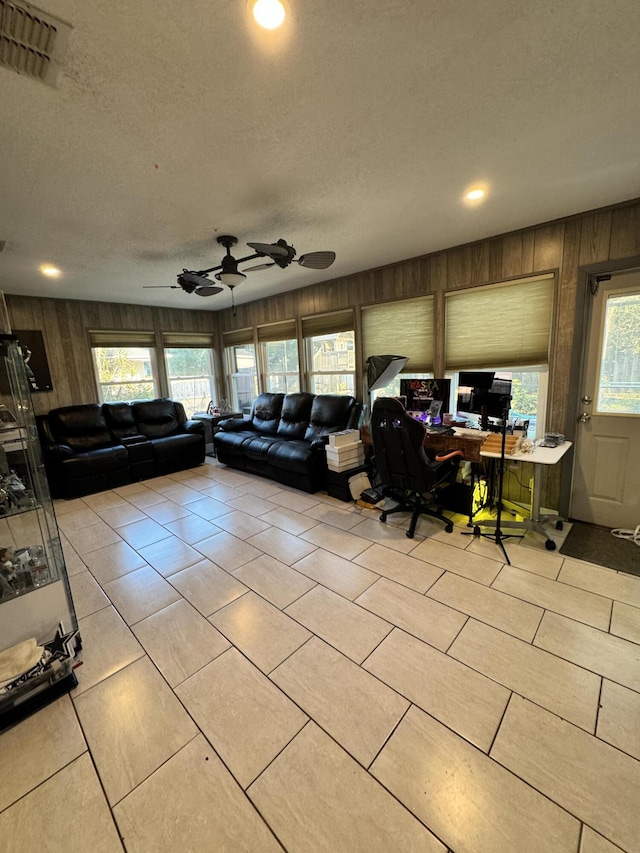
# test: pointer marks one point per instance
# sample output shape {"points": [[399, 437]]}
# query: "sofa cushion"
{"points": [[232, 441], [101, 460], [329, 413], [82, 428], [265, 413], [170, 447], [156, 418], [295, 415], [256, 446], [296, 455], [119, 418]]}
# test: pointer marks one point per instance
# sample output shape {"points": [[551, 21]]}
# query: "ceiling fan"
{"points": [[281, 254]]}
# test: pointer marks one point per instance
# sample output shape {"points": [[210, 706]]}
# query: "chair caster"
{"points": [[449, 528], [409, 534], [383, 518], [550, 545], [559, 525]]}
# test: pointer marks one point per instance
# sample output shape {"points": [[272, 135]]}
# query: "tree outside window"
{"points": [[125, 373]]}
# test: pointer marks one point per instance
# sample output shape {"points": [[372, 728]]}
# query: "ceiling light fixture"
{"points": [[49, 270], [268, 13], [475, 195]]}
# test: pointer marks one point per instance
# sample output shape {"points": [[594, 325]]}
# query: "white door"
{"points": [[606, 476]]}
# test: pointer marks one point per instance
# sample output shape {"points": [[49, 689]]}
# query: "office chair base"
{"points": [[417, 508]]}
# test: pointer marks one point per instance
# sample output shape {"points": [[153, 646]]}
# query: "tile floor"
{"points": [[267, 670]]}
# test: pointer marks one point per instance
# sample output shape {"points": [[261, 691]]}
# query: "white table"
{"points": [[541, 456]]}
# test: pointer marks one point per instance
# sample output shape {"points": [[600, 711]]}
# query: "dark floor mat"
{"points": [[597, 545]]}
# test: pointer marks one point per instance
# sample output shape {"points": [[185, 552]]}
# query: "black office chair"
{"points": [[406, 473]]}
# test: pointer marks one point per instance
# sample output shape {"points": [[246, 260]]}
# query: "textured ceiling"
{"points": [[356, 128]]}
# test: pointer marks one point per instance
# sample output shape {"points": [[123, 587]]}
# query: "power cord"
{"points": [[632, 535]]}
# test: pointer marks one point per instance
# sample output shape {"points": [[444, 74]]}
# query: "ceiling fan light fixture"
{"points": [[268, 13], [231, 279]]}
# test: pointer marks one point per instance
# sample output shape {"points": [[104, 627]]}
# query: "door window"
{"points": [[619, 373]]}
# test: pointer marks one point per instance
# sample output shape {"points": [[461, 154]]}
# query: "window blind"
{"points": [[121, 338], [238, 337], [193, 340], [504, 325], [327, 324], [400, 328], [284, 331]]}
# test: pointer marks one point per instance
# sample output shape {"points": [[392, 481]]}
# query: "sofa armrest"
{"points": [[319, 443], [193, 427], [58, 451], [235, 424]]}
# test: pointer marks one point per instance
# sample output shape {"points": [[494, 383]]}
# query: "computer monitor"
{"points": [[480, 393], [421, 393]]}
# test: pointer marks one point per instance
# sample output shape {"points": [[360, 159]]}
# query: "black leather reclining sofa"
{"points": [[90, 448], [285, 435]]}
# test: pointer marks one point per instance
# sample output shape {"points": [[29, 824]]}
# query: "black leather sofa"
{"points": [[90, 448], [285, 435]]}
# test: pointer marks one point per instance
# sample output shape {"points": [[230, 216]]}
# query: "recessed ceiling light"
{"points": [[268, 13], [475, 195], [49, 270]]}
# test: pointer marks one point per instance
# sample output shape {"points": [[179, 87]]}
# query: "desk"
{"points": [[540, 456], [469, 444]]}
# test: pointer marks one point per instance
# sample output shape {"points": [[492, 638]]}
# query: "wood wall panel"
{"points": [[595, 238]]}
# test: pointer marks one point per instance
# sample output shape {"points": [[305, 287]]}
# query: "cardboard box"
{"points": [[346, 436]]}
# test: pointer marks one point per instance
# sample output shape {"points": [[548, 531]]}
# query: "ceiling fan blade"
{"points": [[208, 290], [258, 267], [151, 286], [317, 260], [273, 250]]}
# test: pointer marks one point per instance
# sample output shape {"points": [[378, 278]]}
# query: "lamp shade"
{"points": [[231, 279], [382, 369]]}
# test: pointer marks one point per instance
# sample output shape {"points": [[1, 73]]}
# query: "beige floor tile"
{"points": [[240, 524], [488, 605], [612, 657], [315, 797], [340, 575], [107, 647], [584, 775], [72, 560], [251, 504], [561, 687], [172, 809], [621, 587], [228, 551], [273, 580], [340, 542], [289, 520], [169, 556], [207, 586], [104, 500], [87, 595], [416, 614], [179, 641], [78, 518], [282, 545], [245, 717], [294, 500], [340, 518], [68, 811], [467, 799], [619, 718], [349, 628], [560, 598], [261, 488], [196, 481], [533, 560], [219, 492], [144, 498], [209, 508], [234, 478], [122, 513], [401, 568], [263, 633], [192, 529], [625, 622], [140, 593], [37, 748], [113, 561], [180, 494], [92, 537], [166, 511], [472, 566], [62, 507], [355, 708], [594, 843], [130, 489], [133, 723], [384, 534], [481, 545], [142, 533], [441, 686]]}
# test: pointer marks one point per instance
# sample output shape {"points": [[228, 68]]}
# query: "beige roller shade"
{"points": [[400, 328], [284, 331], [237, 338], [199, 340], [120, 338], [327, 324], [500, 325]]}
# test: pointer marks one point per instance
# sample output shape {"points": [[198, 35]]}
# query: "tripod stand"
{"points": [[498, 536]]}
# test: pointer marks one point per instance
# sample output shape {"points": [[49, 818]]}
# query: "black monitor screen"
{"points": [[420, 393], [483, 394]]}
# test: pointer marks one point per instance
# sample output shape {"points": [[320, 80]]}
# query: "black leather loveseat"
{"points": [[284, 437], [90, 448]]}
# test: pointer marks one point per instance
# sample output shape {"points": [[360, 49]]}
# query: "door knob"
{"points": [[587, 399], [584, 417]]}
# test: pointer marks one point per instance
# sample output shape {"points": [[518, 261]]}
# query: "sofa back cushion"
{"points": [[119, 418], [83, 428], [329, 413], [156, 418], [265, 413], [295, 415]]}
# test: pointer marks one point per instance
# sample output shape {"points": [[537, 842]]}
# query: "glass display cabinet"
{"points": [[39, 639]]}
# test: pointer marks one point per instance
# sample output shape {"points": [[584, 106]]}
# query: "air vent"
{"points": [[31, 41]]}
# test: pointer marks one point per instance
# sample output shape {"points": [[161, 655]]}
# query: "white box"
{"points": [[339, 454], [345, 466], [346, 436]]}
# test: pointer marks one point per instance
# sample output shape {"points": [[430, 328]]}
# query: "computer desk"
{"points": [[540, 457]]}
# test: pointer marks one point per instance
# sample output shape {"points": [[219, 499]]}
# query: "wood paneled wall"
{"points": [[65, 324]]}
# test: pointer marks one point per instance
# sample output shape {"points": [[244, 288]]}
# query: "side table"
{"points": [[211, 427]]}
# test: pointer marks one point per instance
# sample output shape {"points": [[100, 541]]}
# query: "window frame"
{"points": [[100, 385], [233, 374], [210, 376]]}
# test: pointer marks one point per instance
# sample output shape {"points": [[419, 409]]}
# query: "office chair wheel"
{"points": [[409, 534], [383, 517], [559, 525], [550, 545], [449, 528]]}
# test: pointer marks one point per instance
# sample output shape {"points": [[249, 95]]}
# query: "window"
{"points": [[279, 361], [190, 375], [330, 353], [125, 365], [242, 370], [393, 388], [619, 379]]}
